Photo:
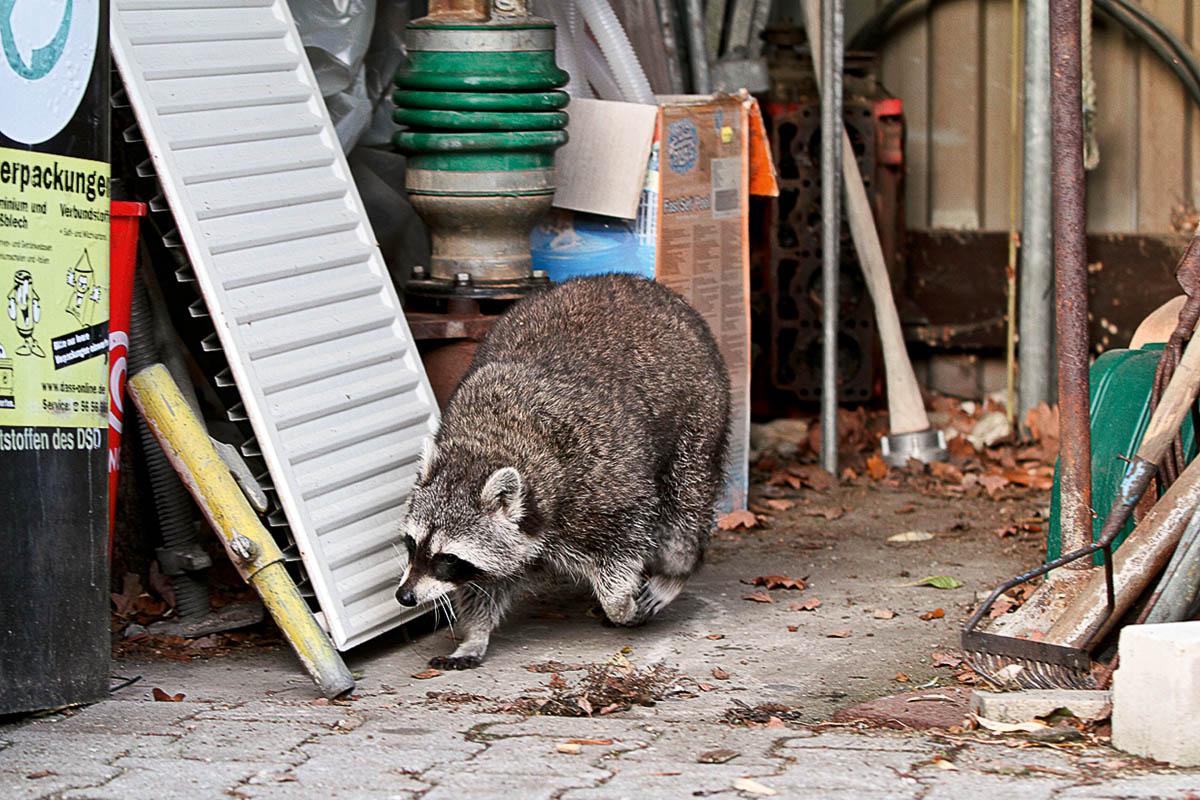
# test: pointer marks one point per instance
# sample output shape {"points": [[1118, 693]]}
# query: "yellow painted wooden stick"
{"points": [[250, 546]]}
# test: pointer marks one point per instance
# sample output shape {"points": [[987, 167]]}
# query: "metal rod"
{"points": [[1035, 353], [697, 48], [832, 21], [1070, 277], [668, 18], [1014, 190]]}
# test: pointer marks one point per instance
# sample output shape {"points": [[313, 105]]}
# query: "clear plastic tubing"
{"points": [[618, 52], [597, 69], [565, 52]]}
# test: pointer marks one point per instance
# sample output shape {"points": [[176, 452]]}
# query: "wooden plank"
{"points": [[1193, 115], [955, 175], [1162, 110], [905, 73], [996, 139], [1113, 189]]}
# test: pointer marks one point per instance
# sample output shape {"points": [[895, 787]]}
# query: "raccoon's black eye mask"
{"points": [[452, 569]]}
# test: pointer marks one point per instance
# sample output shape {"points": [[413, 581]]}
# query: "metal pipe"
{"points": [[1070, 277], [832, 21], [1036, 290], [180, 556], [698, 48], [668, 19]]}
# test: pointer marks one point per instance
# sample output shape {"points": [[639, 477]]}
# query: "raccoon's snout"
{"points": [[405, 597]]}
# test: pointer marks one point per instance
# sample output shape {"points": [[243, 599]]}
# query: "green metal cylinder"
{"points": [[482, 117]]}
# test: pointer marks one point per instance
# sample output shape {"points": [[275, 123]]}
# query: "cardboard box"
{"points": [[702, 158]]}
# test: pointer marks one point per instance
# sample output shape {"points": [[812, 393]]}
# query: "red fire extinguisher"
{"points": [[124, 219]]}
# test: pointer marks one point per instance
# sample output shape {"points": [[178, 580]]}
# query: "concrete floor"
{"points": [[249, 725]]}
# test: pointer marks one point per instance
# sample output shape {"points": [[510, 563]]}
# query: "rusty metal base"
{"points": [[229, 618], [423, 287], [448, 337]]}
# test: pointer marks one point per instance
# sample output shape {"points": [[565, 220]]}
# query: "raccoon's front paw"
{"points": [[598, 612], [455, 662]]}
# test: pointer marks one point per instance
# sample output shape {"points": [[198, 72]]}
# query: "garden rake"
{"points": [[1017, 655]]}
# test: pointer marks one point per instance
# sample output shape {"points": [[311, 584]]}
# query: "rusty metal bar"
{"points": [[1070, 277]]}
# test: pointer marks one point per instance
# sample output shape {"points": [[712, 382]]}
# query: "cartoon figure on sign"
{"points": [[86, 295], [25, 309]]}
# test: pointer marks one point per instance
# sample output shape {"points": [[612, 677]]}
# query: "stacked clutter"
{"points": [[483, 115]]}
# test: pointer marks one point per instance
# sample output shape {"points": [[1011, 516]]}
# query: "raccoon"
{"points": [[588, 440]]}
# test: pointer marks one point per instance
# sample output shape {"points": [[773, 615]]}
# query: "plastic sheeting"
{"points": [[354, 47]]}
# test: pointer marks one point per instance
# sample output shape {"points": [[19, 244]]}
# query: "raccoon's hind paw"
{"points": [[455, 662]]}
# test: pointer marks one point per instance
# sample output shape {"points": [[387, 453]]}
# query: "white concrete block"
{"points": [[1156, 693], [1015, 707]]}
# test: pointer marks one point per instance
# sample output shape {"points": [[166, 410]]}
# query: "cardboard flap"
{"points": [[762, 168], [602, 168]]}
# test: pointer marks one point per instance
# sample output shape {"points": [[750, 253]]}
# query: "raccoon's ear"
{"points": [[428, 454], [504, 493]]}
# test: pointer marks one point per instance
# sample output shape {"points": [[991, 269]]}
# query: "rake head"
{"points": [[1007, 662]]}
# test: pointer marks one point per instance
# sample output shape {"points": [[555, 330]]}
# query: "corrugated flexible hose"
{"points": [[171, 500]]}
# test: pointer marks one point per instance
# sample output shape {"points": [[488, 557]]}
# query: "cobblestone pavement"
{"points": [[249, 726]]}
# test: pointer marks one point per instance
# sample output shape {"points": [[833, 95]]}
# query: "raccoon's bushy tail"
{"points": [[657, 593]]}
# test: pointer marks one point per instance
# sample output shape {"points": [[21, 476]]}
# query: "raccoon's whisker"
{"points": [[445, 602], [485, 593]]}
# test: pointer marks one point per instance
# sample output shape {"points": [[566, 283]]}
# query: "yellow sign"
{"points": [[53, 298]]}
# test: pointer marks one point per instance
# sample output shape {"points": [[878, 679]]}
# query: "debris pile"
{"points": [[607, 688]]}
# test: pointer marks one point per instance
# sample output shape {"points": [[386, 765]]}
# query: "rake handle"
{"points": [[1178, 397]]}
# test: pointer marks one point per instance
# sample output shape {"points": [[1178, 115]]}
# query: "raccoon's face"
{"points": [[462, 529]]}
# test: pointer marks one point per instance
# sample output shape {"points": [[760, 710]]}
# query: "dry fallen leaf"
{"points": [[570, 748], [910, 536], [759, 597], [1002, 606], [557, 681], [902, 677], [876, 467], [705, 687], [721, 674], [737, 519], [942, 763], [993, 483], [951, 660], [715, 636], [776, 504], [426, 674], [828, 512], [883, 613], [1033, 726], [907, 508], [793, 628], [753, 787], [782, 478], [811, 604], [775, 722], [937, 613], [812, 476], [778, 582], [946, 472], [163, 697], [842, 634], [720, 756], [590, 741]]}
